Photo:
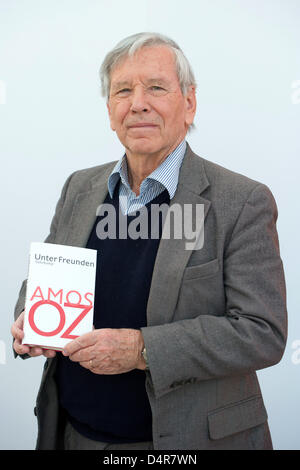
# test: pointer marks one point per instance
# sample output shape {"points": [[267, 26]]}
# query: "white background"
{"points": [[245, 55]]}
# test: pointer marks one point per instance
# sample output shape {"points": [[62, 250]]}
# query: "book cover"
{"points": [[60, 294]]}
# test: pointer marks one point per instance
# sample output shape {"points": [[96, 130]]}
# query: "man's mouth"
{"points": [[142, 125]]}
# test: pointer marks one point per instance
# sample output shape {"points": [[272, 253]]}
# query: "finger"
{"points": [[17, 330], [83, 355], [20, 348], [83, 341], [49, 353], [25, 349], [103, 368], [87, 365], [35, 351], [17, 327], [92, 365]]}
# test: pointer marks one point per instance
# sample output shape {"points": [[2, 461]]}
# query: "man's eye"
{"points": [[157, 90], [123, 91]]}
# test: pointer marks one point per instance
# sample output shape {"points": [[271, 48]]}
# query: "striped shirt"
{"points": [[165, 176]]}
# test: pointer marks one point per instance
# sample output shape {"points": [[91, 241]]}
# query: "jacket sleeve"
{"points": [[251, 334]]}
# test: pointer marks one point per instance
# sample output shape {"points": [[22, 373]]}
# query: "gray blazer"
{"points": [[214, 315]]}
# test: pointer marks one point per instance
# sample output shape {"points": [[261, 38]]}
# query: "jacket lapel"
{"points": [[85, 207], [172, 256]]}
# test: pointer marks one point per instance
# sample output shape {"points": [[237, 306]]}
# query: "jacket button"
{"points": [[165, 435], [175, 384], [192, 380]]}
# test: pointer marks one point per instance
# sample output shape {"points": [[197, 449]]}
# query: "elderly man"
{"points": [[178, 333]]}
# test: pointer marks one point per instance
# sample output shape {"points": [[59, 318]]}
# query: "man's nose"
{"points": [[139, 102]]}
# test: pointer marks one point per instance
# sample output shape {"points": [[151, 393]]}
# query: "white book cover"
{"points": [[60, 294]]}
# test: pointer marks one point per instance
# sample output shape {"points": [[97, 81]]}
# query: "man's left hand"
{"points": [[108, 351]]}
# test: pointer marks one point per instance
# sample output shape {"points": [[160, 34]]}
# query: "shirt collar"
{"points": [[167, 173]]}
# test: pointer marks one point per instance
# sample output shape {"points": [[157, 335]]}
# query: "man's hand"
{"points": [[18, 334], [108, 351]]}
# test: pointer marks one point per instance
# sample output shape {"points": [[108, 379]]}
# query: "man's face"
{"points": [[146, 106]]}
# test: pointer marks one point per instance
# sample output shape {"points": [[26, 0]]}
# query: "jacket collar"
{"points": [[192, 174]]}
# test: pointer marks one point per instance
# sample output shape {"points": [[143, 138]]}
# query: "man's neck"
{"points": [[141, 166]]}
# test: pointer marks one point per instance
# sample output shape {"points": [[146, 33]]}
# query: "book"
{"points": [[60, 294]]}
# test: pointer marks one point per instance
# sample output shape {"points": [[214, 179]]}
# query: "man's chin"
{"points": [[142, 146]]}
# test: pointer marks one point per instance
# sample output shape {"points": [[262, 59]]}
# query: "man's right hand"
{"points": [[18, 334]]}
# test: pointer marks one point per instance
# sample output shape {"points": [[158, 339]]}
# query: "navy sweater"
{"points": [[114, 408]]}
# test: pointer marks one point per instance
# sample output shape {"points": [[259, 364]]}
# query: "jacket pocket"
{"points": [[237, 417], [201, 270]]}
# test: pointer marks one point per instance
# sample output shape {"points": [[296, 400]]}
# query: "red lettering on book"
{"points": [[60, 293], [32, 322], [77, 297], [73, 303], [38, 289], [86, 297], [86, 309]]}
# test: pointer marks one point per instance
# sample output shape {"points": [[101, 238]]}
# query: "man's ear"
{"points": [[191, 105], [110, 116]]}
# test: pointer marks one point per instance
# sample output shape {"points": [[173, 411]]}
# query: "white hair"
{"points": [[131, 44]]}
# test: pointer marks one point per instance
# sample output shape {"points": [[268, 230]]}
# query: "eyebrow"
{"points": [[126, 83], [118, 85]]}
